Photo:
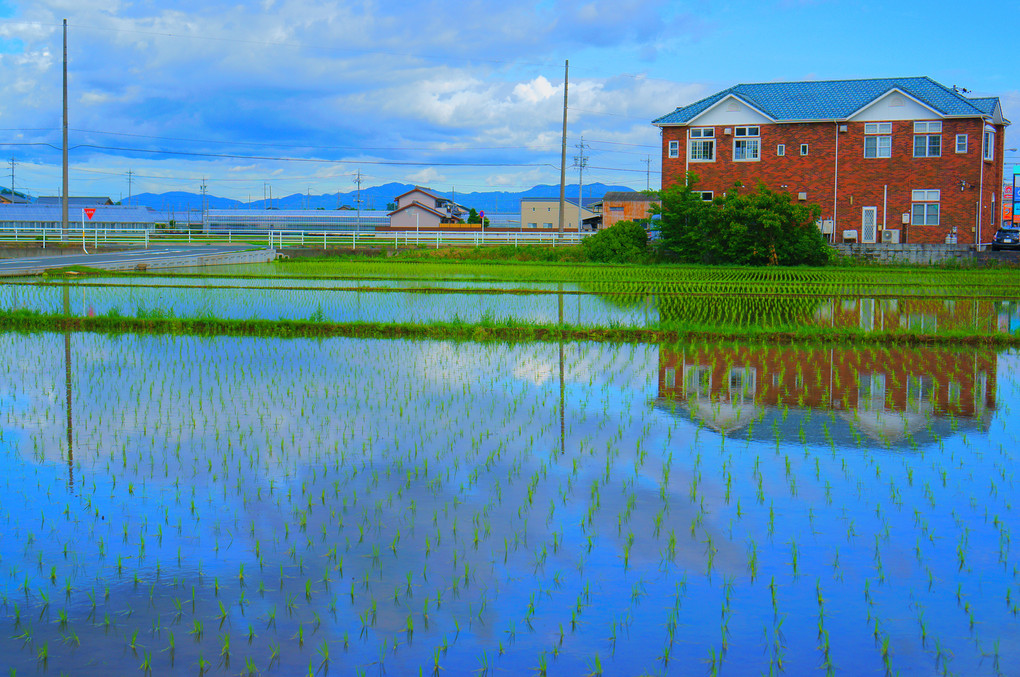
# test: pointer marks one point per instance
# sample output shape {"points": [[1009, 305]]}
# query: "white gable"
{"points": [[730, 111], [895, 105]]}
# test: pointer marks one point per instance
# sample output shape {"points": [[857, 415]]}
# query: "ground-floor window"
{"points": [[925, 208]]}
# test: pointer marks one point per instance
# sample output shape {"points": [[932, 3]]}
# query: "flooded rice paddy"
{"points": [[645, 305], [180, 504]]}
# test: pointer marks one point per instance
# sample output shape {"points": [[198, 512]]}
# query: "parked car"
{"points": [[1006, 238]]}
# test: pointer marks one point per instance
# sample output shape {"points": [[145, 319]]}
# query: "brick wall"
{"points": [[842, 188], [614, 211]]}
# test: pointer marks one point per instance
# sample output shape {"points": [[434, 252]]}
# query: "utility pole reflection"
{"points": [[67, 388], [563, 443]]}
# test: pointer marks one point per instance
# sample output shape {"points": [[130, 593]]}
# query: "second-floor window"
{"points": [[988, 146], [701, 144], [927, 139], [877, 139], [746, 144]]}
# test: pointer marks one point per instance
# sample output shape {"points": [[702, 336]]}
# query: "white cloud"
{"points": [[426, 176]]}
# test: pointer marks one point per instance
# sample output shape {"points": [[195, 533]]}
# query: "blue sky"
{"points": [[303, 94]]}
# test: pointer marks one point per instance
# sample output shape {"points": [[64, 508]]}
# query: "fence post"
{"points": [[44, 237], [229, 236], [146, 238], [355, 240], [437, 239], [323, 240]]}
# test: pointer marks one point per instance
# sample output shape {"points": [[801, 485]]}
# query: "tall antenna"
{"points": [[580, 161], [648, 172], [129, 175]]}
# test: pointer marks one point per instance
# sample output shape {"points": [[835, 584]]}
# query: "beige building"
{"points": [[544, 213]]}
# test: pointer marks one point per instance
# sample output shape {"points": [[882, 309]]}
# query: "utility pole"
{"points": [[357, 180], [12, 179], [129, 175], [563, 151], [63, 194], [580, 161], [203, 203]]}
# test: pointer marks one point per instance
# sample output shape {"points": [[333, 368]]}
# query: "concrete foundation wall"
{"points": [[923, 254]]}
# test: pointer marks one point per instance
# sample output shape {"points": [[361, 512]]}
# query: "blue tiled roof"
{"points": [[834, 99]]}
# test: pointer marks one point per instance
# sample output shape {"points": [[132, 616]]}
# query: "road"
{"points": [[154, 257]]}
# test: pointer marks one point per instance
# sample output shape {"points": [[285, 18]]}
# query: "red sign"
{"points": [[89, 212]]}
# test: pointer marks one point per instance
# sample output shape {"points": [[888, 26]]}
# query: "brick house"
{"points": [[887, 160]]}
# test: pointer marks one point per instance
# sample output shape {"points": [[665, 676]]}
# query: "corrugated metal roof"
{"points": [[833, 99], [74, 201], [103, 215], [631, 196]]}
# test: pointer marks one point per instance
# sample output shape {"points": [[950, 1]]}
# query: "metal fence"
{"points": [[281, 239]]}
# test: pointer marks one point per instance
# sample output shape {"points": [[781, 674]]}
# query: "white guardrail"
{"points": [[96, 237]]}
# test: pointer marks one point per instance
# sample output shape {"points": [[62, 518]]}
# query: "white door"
{"points": [[869, 224]]}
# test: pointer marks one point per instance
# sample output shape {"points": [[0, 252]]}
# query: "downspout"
{"points": [[835, 185], [885, 204], [981, 188], [687, 163]]}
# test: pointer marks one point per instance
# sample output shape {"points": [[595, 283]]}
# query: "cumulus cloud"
{"points": [[336, 81]]}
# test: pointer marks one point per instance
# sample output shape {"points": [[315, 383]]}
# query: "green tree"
{"points": [[623, 242], [745, 227], [475, 217]]}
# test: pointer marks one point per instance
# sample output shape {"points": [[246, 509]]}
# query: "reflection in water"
{"points": [[893, 395], [67, 389]]}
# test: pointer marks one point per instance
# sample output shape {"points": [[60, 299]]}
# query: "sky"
{"points": [[306, 95]]}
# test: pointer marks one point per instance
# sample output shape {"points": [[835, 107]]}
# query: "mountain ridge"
{"points": [[374, 198]]}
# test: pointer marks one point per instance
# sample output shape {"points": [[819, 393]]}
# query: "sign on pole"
{"points": [[89, 212]]}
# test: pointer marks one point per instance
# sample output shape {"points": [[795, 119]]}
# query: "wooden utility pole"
{"points": [[63, 198], [563, 152]]}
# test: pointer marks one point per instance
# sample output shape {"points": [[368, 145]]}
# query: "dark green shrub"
{"points": [[623, 242], [743, 227]]}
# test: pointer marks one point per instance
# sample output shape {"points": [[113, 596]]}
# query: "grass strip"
{"points": [[506, 332]]}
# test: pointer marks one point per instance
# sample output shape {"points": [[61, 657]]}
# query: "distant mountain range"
{"points": [[374, 198]]}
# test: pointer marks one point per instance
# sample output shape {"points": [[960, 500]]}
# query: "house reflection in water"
{"points": [[830, 395]]}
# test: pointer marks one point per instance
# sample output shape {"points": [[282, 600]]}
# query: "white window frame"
{"points": [[700, 138], [928, 127], [925, 207], [881, 147], [674, 149], [988, 145], [747, 131], [878, 128], [961, 143], [926, 149], [706, 195], [781, 149], [746, 149], [804, 149]]}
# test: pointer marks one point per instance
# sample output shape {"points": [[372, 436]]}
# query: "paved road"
{"points": [[154, 257]]}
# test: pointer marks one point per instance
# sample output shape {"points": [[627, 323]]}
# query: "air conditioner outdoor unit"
{"points": [[890, 236], [850, 235], [727, 130], [842, 128], [827, 227], [801, 196]]}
